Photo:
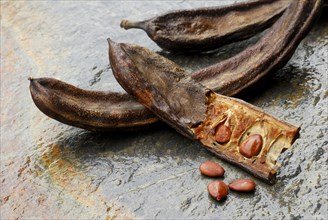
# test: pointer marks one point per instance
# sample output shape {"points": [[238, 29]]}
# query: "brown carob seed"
{"points": [[242, 185], [252, 146], [218, 190], [211, 169], [222, 133], [209, 28]]}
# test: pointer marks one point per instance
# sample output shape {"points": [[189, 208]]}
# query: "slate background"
{"points": [[51, 170]]}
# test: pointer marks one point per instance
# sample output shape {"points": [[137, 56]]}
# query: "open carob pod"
{"points": [[255, 138], [206, 29]]}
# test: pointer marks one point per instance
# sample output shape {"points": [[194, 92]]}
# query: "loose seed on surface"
{"points": [[211, 169], [252, 146], [242, 185], [218, 189], [222, 133]]}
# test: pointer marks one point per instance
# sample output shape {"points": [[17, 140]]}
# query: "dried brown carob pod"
{"points": [[85, 109], [272, 51], [227, 77], [206, 29], [196, 112]]}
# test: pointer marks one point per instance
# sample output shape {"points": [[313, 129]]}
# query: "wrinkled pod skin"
{"points": [[227, 77], [206, 29], [196, 112]]}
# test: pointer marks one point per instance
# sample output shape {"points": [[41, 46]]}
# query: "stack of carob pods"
{"points": [[233, 130]]}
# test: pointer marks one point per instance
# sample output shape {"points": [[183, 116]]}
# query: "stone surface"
{"points": [[50, 170]]}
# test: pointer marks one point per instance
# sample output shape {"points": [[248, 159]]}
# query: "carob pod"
{"points": [[227, 77], [270, 53], [196, 112], [91, 110], [206, 29]]}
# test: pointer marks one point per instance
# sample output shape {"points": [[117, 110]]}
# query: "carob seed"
{"points": [[252, 146], [222, 133], [211, 169], [218, 189], [242, 185]]}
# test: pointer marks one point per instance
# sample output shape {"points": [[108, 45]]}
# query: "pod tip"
{"points": [[30, 78], [111, 43], [126, 24], [109, 40]]}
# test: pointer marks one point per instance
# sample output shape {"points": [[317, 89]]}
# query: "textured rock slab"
{"points": [[50, 170]]}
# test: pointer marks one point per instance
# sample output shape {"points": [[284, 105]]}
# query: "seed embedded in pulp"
{"points": [[252, 146], [218, 189], [222, 133], [242, 185], [211, 169]]}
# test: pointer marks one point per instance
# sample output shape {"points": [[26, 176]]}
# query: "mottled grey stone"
{"points": [[50, 170]]}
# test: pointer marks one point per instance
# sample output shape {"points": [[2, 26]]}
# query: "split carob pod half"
{"points": [[196, 112], [206, 29], [227, 77], [91, 110]]}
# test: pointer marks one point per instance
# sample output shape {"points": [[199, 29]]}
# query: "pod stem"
{"points": [[126, 24]]}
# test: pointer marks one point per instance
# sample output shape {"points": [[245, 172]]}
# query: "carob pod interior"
{"points": [[196, 112], [227, 77], [206, 29]]}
